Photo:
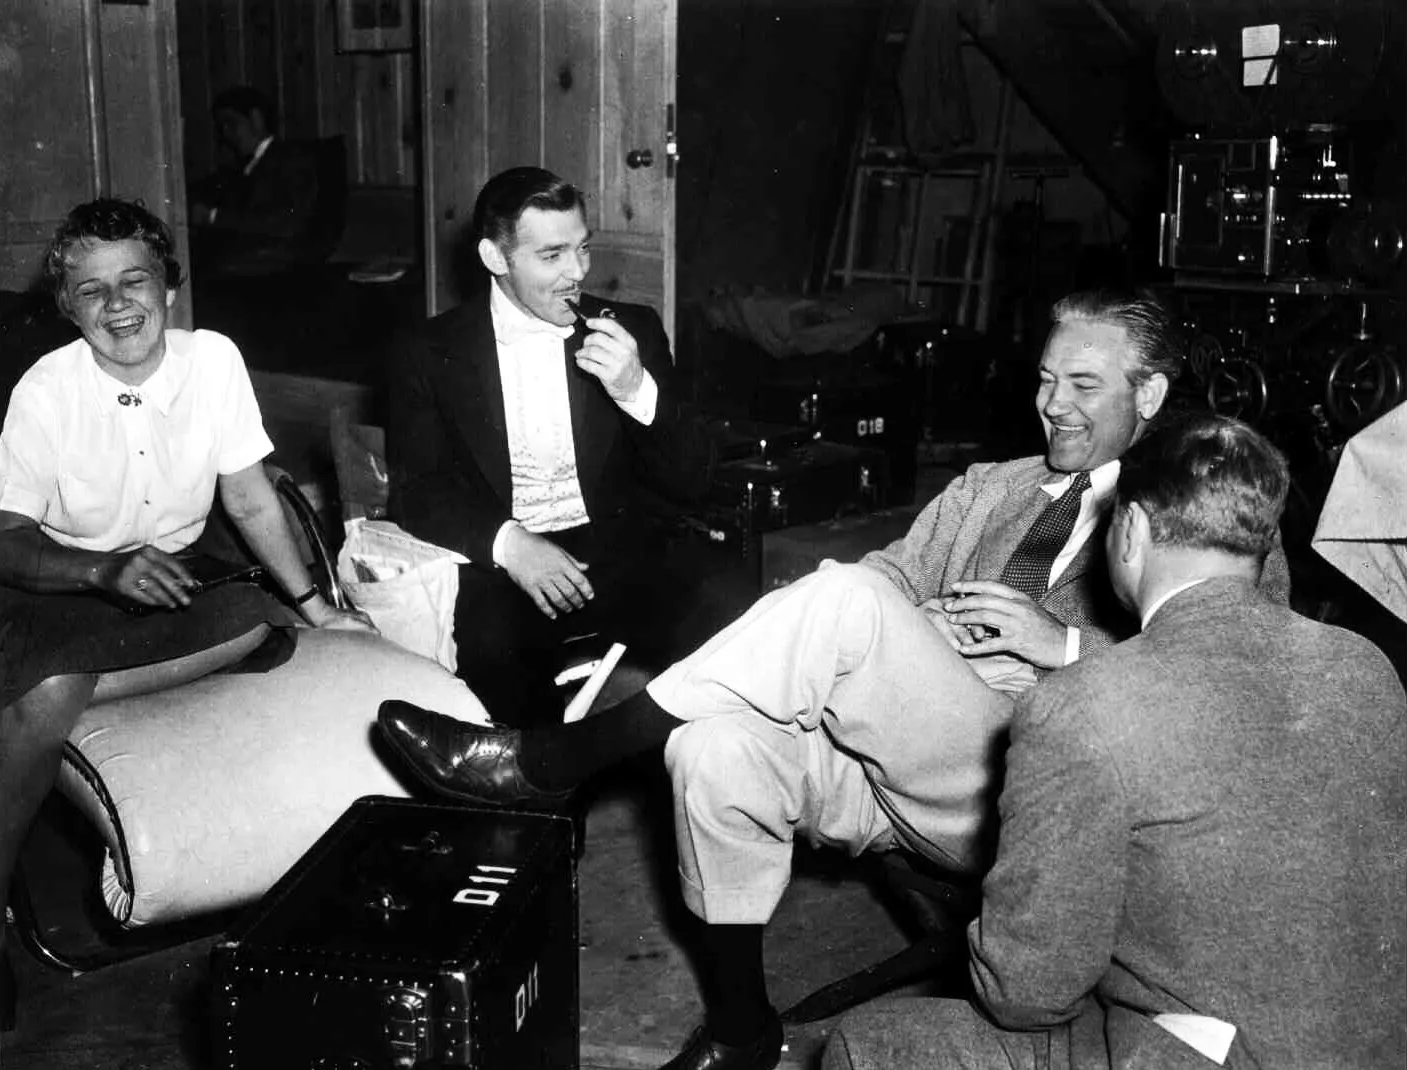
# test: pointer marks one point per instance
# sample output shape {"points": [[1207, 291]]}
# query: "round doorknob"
{"points": [[637, 158]]}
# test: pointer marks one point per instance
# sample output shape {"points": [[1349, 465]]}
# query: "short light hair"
{"points": [[1155, 342], [508, 194], [1207, 482], [109, 219]]}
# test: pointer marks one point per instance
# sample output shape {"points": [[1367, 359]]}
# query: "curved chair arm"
{"points": [[304, 520]]}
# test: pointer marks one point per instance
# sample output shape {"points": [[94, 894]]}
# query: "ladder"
{"points": [[876, 166]]}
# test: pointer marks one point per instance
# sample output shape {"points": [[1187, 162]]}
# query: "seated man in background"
{"points": [[259, 212], [1203, 846], [863, 706], [536, 430]]}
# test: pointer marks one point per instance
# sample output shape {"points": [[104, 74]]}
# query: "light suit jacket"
{"points": [[970, 530]]}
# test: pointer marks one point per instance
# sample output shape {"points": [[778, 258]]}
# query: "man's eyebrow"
{"points": [[557, 247]]}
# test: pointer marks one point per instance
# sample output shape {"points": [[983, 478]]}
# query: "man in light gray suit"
{"points": [[862, 705], [1203, 852]]}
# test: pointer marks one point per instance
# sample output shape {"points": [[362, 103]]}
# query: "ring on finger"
{"points": [[141, 583]]}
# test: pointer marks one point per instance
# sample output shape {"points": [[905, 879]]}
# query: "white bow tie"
{"points": [[523, 329]]}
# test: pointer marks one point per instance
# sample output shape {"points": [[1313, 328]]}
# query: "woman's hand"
{"points": [[147, 576], [320, 614]]}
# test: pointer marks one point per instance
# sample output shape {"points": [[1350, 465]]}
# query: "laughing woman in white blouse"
{"points": [[112, 452]]}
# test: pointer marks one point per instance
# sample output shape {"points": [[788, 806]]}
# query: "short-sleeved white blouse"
{"points": [[105, 466]]}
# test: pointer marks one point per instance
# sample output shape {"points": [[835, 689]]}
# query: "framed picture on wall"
{"points": [[374, 26]]}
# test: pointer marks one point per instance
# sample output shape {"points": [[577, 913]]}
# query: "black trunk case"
{"points": [[410, 935]]}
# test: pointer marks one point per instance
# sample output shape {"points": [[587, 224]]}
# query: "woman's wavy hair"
{"points": [[109, 219], [1207, 482]]}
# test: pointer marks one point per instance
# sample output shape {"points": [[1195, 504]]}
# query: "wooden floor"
{"points": [[638, 997]]}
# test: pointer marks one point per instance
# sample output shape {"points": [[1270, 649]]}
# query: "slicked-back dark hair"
{"points": [[109, 219], [1207, 482], [1156, 342], [508, 194], [246, 100]]}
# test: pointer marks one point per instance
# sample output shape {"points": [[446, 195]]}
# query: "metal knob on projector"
{"points": [[637, 158]]}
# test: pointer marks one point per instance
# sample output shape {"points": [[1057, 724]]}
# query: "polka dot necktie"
{"points": [[1028, 570]]}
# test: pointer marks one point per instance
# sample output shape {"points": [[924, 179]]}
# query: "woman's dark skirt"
{"points": [[44, 635]]}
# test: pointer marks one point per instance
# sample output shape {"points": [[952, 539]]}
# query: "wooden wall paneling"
{"points": [[325, 42], [634, 247], [299, 58], [347, 109], [263, 68], [141, 91], [198, 126], [224, 58], [46, 150], [631, 68], [515, 84], [571, 103], [378, 86], [454, 107], [400, 122], [630, 268]]}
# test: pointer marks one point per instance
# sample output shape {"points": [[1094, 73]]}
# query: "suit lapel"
{"points": [[475, 389], [1012, 518], [591, 426]]}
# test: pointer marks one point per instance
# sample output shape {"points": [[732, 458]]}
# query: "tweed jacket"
{"points": [[447, 438], [970, 530], [1210, 818]]}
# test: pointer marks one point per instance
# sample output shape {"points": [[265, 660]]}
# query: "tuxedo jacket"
{"points": [[278, 199], [447, 438], [972, 528], [1210, 819]]}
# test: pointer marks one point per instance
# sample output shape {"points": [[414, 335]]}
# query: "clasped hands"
{"points": [[610, 354], [152, 577], [984, 617]]}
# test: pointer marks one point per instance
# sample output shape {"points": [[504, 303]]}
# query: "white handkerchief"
{"points": [[1210, 1036]]}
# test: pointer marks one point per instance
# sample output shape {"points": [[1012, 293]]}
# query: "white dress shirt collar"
{"points": [[1101, 481], [259, 151], [1163, 598], [511, 324]]}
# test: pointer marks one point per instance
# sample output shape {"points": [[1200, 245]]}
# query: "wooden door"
{"points": [[89, 106], [576, 86]]}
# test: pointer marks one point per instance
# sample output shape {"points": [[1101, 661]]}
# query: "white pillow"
{"points": [[207, 793]]}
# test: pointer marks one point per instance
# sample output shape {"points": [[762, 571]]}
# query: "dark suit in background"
{"points": [[448, 452], [266, 220]]}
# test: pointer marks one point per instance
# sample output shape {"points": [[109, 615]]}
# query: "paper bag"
{"points": [[406, 585]]}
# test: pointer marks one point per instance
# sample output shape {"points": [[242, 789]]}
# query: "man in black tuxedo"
{"points": [[260, 212], [537, 431]]}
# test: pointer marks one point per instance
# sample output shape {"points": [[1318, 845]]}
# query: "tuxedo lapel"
{"points": [[592, 423], [475, 389]]}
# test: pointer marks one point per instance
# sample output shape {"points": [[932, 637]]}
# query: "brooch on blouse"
{"points": [[129, 399]]}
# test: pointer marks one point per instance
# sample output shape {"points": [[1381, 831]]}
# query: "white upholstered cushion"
{"points": [[217, 787]]}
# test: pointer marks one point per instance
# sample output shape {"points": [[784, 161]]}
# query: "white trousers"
{"points": [[832, 709]]}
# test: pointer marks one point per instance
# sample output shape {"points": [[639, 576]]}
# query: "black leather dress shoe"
{"points": [[471, 763], [704, 1053]]}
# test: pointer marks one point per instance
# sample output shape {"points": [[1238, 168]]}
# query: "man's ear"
{"points": [[1149, 395], [493, 257], [1135, 533]]}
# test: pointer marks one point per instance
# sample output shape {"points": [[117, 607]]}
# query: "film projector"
{"points": [[1286, 199]]}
